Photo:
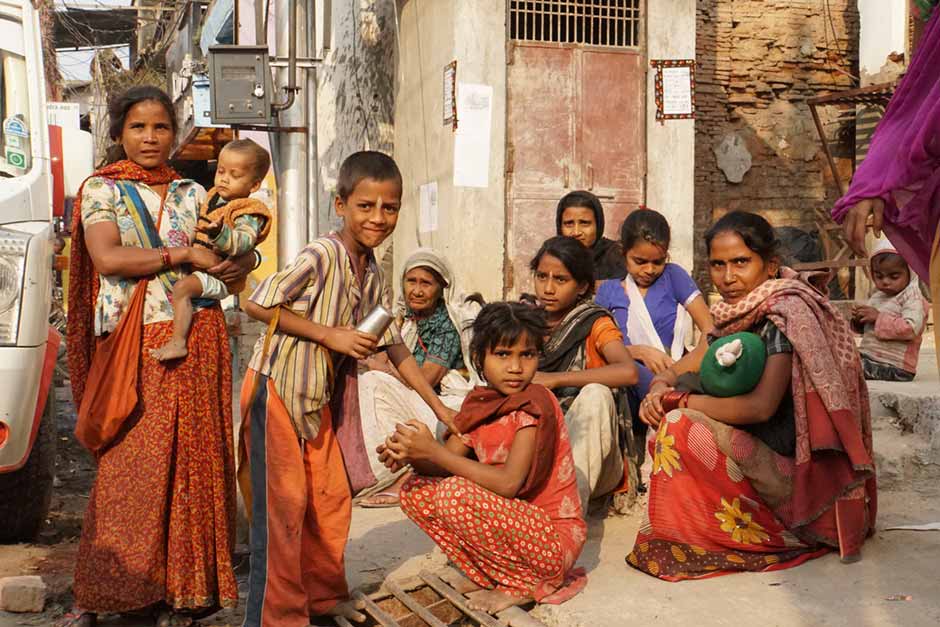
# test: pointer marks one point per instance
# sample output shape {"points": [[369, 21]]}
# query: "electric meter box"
{"points": [[240, 85]]}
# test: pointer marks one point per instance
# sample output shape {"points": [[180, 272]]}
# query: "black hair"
{"points": [[475, 297], [756, 232], [502, 324], [120, 105], [366, 164], [261, 160], [889, 258], [645, 225], [576, 258], [581, 198]]}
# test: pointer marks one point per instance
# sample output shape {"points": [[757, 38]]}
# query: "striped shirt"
{"points": [[320, 286]]}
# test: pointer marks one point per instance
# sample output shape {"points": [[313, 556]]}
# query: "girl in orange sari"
{"points": [[159, 528], [779, 475]]}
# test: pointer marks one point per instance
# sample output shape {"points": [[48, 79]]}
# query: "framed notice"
{"points": [[450, 95], [674, 83]]}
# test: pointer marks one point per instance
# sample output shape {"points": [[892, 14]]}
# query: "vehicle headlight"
{"points": [[13, 247]]}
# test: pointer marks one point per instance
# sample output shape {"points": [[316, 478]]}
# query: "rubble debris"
{"points": [[26, 593]]}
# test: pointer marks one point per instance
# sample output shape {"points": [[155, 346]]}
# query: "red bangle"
{"points": [[670, 400], [674, 400], [165, 257]]}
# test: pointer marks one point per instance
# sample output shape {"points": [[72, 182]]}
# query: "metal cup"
{"points": [[376, 322]]}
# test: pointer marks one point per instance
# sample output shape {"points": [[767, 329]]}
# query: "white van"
{"points": [[31, 175]]}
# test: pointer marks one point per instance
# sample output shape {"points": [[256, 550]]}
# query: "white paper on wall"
{"points": [[472, 141], [427, 216], [677, 90]]}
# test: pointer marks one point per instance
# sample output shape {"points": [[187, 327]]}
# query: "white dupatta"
{"points": [[642, 332], [461, 312]]}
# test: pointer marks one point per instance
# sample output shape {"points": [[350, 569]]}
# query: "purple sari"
{"points": [[903, 164]]}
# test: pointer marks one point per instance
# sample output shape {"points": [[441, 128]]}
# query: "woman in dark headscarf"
{"points": [[580, 215]]}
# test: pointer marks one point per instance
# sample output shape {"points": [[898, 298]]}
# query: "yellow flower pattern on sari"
{"points": [[739, 524], [665, 457]]}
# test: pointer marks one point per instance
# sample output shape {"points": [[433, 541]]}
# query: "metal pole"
{"points": [[314, 226], [291, 148], [261, 8]]}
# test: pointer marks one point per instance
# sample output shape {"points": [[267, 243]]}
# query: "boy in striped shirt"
{"points": [[298, 497]]}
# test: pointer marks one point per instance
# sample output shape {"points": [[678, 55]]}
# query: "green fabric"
{"points": [[926, 8], [440, 341], [740, 377]]}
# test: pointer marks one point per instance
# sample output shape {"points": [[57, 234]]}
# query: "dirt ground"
{"points": [[896, 583]]}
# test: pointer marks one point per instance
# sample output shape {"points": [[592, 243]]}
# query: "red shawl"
{"points": [[831, 406], [83, 278], [484, 404]]}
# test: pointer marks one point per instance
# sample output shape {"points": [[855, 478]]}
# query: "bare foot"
{"points": [[456, 580], [349, 610], [386, 498], [493, 601], [380, 500], [174, 349]]}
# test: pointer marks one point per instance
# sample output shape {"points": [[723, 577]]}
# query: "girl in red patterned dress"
{"points": [[512, 520]]}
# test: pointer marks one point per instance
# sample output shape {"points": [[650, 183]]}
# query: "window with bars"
{"points": [[614, 23]]}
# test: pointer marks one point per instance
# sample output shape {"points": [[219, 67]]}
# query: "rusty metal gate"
{"points": [[576, 94]]}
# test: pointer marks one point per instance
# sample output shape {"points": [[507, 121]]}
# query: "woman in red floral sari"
{"points": [[782, 474]]}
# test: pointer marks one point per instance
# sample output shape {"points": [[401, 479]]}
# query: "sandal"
{"points": [[369, 503], [78, 618], [169, 618]]}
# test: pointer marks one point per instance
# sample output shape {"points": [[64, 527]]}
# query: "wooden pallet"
{"points": [[428, 601]]}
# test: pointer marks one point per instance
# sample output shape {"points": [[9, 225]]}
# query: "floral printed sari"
{"points": [[723, 501]]}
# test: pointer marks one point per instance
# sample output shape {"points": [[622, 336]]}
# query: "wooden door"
{"points": [[576, 87], [613, 132], [542, 160]]}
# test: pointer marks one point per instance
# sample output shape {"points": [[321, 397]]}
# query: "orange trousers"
{"points": [[300, 509]]}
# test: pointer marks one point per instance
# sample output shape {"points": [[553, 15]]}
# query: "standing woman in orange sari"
{"points": [[159, 528]]}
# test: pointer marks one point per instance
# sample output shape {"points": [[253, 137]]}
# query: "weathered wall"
{"points": [[758, 62], [670, 152], [470, 221], [355, 99], [355, 87]]}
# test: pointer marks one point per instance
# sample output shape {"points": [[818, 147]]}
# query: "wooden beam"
{"points": [[826, 150], [835, 263], [458, 599], [375, 611], [412, 604]]}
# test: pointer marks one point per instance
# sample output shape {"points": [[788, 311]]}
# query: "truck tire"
{"points": [[25, 494]]}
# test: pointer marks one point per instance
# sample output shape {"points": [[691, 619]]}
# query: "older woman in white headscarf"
{"points": [[436, 318]]}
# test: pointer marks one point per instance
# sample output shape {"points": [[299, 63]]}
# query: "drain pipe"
{"points": [[316, 224], [293, 168], [291, 58]]}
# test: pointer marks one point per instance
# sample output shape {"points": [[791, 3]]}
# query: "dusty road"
{"points": [[896, 564]]}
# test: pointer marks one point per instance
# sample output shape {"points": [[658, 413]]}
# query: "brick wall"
{"points": [[757, 63]]}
